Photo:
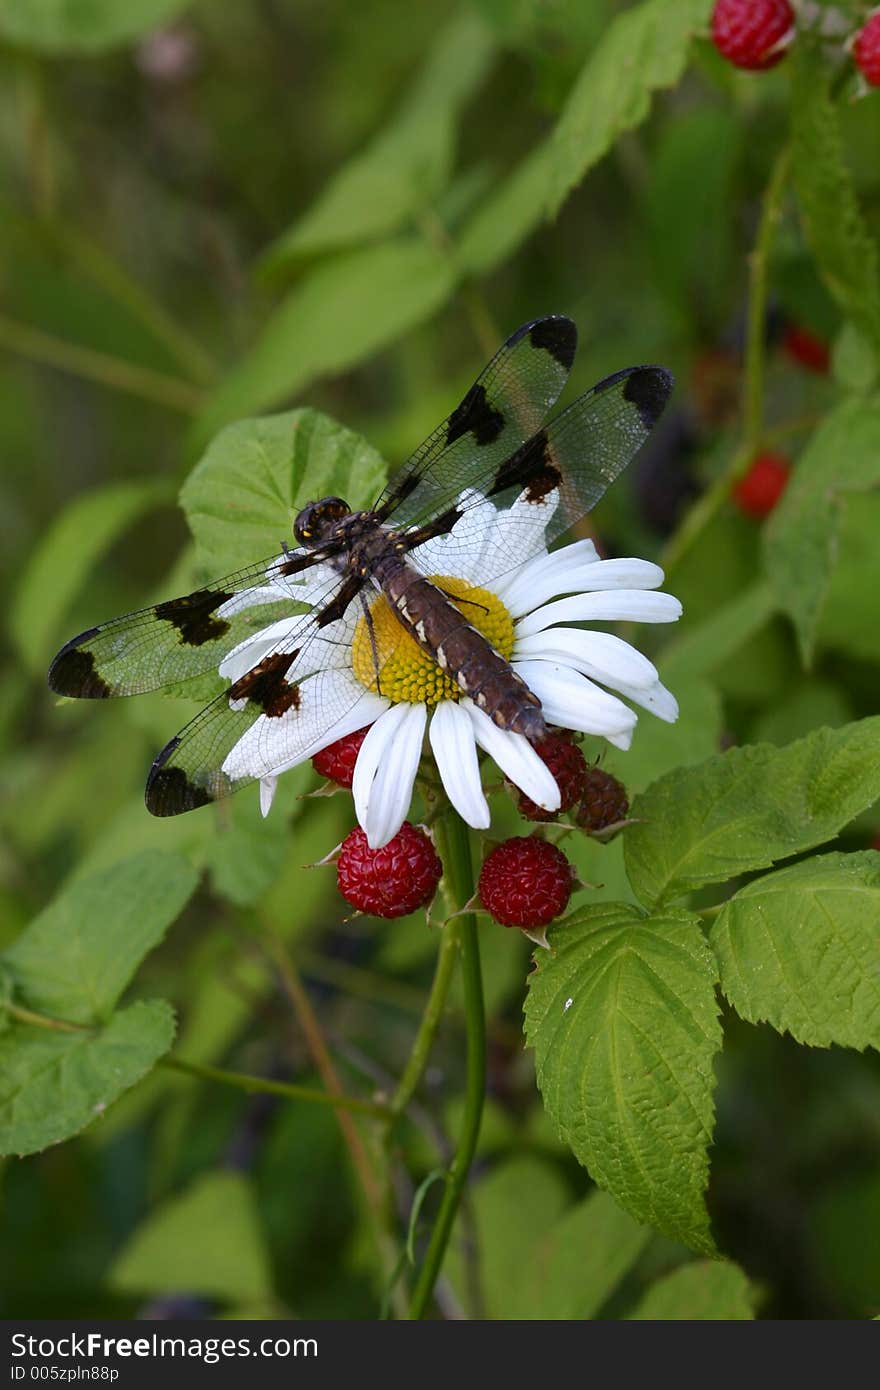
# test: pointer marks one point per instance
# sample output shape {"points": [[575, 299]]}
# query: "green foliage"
{"points": [[702, 1291], [623, 1020], [845, 252], [799, 949], [842, 457], [206, 1241], [749, 807], [66, 556], [57, 26], [404, 169]]}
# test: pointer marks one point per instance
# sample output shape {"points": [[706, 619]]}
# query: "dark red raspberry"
{"points": [[806, 348], [336, 761], [525, 882], [752, 34], [866, 50], [566, 761], [604, 801], [391, 881], [758, 492]]}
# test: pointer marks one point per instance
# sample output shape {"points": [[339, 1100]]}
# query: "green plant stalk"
{"points": [[427, 1031], [456, 854], [706, 508], [49, 351]]}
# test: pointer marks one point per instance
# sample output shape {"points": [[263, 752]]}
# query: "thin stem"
{"points": [[57, 1025], [49, 351], [456, 855], [706, 508], [427, 1031], [288, 1090]]}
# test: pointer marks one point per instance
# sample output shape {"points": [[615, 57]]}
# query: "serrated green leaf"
{"points": [[76, 958], [623, 1020], [800, 949], [848, 621], [53, 1084], [749, 807], [801, 537], [835, 230], [702, 1291], [580, 1261], [641, 51], [345, 310], [242, 497], [59, 26], [65, 556], [406, 167], [206, 1241]]}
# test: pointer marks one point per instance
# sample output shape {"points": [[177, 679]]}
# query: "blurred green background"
{"points": [[221, 209]]}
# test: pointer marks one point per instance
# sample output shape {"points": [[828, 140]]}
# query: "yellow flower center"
{"points": [[406, 673]]}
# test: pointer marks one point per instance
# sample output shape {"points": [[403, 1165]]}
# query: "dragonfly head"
{"points": [[317, 521]]}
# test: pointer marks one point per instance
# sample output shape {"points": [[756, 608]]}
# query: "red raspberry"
{"points": [[758, 492], [336, 761], [525, 882], [866, 50], [566, 761], [391, 881], [604, 801], [752, 34], [806, 348]]}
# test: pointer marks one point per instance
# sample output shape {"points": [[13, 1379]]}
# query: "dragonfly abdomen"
{"points": [[460, 650]]}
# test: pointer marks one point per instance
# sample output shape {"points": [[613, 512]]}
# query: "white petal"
{"points": [[386, 770], [625, 574], [518, 536], [309, 586], [623, 740], [274, 745], [268, 786], [516, 758], [460, 553], [451, 735], [572, 701], [547, 576], [656, 698], [634, 605], [600, 655], [249, 598]]}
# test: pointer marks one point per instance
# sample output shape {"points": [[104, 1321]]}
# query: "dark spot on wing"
{"points": [[264, 685], [531, 468], [73, 671], [169, 791], [440, 526], [336, 608], [301, 560], [558, 336], [477, 416], [401, 487], [193, 616], [648, 389]]}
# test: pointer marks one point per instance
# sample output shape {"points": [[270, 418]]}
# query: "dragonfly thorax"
{"points": [[317, 523]]}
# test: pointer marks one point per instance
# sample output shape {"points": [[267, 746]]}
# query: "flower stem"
{"points": [[260, 1084], [456, 855], [424, 1041], [706, 508]]}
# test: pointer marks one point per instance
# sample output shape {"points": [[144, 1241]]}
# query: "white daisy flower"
{"points": [[532, 615]]}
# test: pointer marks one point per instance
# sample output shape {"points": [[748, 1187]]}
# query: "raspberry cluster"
{"points": [[525, 882], [757, 34]]}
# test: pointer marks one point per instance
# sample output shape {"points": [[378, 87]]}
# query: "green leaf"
{"points": [[53, 1084], [76, 958], [848, 620], [749, 807], [345, 310], [657, 746], [835, 230], [801, 538], [800, 949], [62, 26], [242, 498], [854, 363], [642, 50], [622, 1016], [405, 168], [206, 1241], [702, 1291], [60, 564], [580, 1261], [514, 1205]]}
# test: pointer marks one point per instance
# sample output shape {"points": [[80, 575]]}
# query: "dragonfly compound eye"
{"points": [[317, 519]]}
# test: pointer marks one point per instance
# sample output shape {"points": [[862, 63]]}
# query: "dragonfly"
{"points": [[497, 444]]}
